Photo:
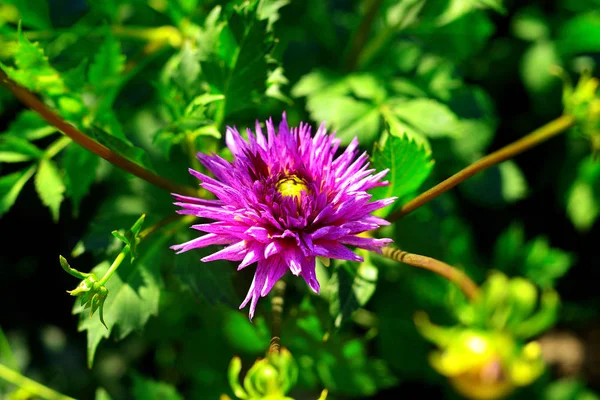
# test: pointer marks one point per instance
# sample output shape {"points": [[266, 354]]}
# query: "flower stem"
{"points": [[362, 33], [536, 137], [459, 278], [114, 265], [277, 316], [31, 101], [31, 386]]}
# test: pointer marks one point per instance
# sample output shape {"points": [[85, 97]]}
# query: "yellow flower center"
{"points": [[291, 186]]}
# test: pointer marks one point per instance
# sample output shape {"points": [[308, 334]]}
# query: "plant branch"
{"points": [[31, 386], [31, 101], [277, 316], [536, 137], [459, 278], [362, 33]]}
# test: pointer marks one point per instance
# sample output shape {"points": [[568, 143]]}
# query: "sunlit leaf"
{"points": [[50, 186], [409, 164]]}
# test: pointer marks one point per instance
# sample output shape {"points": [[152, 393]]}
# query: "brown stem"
{"points": [[536, 137], [459, 278], [277, 316], [362, 33], [31, 101]]}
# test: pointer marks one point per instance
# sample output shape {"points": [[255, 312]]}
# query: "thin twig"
{"points": [[31, 101], [277, 316], [459, 278], [536, 137]]}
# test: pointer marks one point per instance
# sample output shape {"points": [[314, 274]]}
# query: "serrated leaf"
{"points": [[122, 148], [147, 389], [33, 69], [108, 64], [14, 149], [80, 172], [239, 68], [10, 187], [133, 296], [33, 13], [50, 186], [351, 286], [409, 163]]}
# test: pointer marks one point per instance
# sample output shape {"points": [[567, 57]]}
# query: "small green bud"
{"points": [[269, 378]]}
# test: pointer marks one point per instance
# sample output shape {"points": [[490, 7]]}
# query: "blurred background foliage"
{"points": [[441, 80]]}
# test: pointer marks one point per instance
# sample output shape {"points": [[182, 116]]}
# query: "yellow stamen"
{"points": [[291, 186]]}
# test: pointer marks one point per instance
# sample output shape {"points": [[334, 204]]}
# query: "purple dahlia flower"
{"points": [[285, 200]]}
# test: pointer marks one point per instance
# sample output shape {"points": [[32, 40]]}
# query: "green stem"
{"points": [[459, 278], [536, 137], [277, 316], [114, 265], [31, 101], [31, 386]]}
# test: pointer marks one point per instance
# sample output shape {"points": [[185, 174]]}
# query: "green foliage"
{"points": [[134, 297], [80, 172], [156, 82], [351, 285], [533, 259], [50, 186], [152, 390], [10, 187], [409, 165]]}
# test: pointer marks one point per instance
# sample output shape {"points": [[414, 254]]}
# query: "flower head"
{"points": [[285, 200]]}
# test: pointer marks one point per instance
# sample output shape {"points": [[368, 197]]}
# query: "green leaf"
{"points": [[248, 337], [33, 69], [349, 105], [108, 64], [351, 286], [133, 297], [580, 34], [30, 126], [14, 149], [102, 394], [33, 13], [409, 163], [50, 186], [6, 354], [497, 186], [535, 260], [212, 280], [122, 148], [147, 389], [427, 116], [583, 197], [10, 187], [80, 172], [544, 264], [241, 71]]}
